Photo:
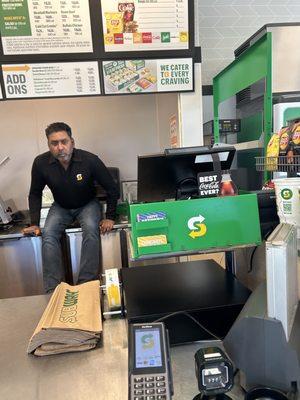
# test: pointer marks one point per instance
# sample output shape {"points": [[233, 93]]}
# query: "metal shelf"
{"points": [[253, 144], [280, 164]]}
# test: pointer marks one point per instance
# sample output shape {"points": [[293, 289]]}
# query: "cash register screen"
{"points": [[160, 176], [147, 348]]}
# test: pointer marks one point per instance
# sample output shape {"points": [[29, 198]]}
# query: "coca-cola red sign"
{"points": [[209, 184]]}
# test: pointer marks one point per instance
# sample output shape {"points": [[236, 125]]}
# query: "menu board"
{"points": [[51, 79], [45, 26], [141, 25], [148, 76]]}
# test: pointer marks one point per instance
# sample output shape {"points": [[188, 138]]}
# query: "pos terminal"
{"points": [[149, 362]]}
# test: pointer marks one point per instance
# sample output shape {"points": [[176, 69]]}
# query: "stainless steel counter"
{"points": [[12, 231], [100, 374], [15, 231], [94, 375], [21, 261]]}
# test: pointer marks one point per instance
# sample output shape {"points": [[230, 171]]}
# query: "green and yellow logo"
{"points": [[69, 309], [148, 341], [286, 194], [197, 227]]}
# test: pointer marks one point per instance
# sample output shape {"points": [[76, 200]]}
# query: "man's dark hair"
{"points": [[58, 127]]}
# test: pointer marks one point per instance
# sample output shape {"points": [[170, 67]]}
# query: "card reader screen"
{"points": [[147, 348]]}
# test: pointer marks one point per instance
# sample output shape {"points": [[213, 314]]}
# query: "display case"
{"points": [[264, 99]]}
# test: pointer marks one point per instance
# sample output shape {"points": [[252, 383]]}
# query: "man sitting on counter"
{"points": [[70, 174]]}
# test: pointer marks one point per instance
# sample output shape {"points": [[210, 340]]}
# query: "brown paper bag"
{"points": [[71, 321]]}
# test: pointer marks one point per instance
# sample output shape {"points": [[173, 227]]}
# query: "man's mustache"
{"points": [[63, 155]]}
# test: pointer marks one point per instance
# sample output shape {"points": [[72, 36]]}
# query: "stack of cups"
{"points": [[287, 192]]}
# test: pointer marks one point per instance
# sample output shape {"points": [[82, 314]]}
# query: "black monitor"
{"points": [[173, 174]]}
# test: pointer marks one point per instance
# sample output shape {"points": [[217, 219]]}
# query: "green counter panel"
{"points": [[198, 224]]}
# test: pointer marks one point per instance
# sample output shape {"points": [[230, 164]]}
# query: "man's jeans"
{"points": [[57, 220]]}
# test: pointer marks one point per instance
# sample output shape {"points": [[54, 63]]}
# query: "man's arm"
{"points": [[103, 177], [35, 199]]}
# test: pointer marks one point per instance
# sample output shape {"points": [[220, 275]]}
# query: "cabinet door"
{"points": [[21, 271], [110, 245]]}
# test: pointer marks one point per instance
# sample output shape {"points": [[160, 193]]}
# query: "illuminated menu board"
{"points": [[145, 25], [148, 76], [45, 26], [51, 79]]}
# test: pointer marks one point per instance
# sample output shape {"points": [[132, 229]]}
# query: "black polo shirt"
{"points": [[71, 188]]}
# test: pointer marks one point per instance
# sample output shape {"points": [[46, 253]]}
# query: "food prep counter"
{"points": [[99, 374]]}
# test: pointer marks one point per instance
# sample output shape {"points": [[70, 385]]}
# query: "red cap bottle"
{"points": [[228, 188]]}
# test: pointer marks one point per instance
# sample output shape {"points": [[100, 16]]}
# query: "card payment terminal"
{"points": [[149, 362]]}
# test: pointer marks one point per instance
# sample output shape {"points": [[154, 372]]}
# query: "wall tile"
{"points": [[245, 21], [244, 10], [281, 11], [281, 19], [239, 2], [228, 43], [229, 21], [210, 43], [211, 54], [208, 22], [259, 2], [294, 9], [238, 20], [206, 3], [245, 32], [209, 33], [209, 11], [261, 21], [263, 10], [222, 2], [292, 2], [226, 11], [226, 31], [280, 2], [225, 53]]}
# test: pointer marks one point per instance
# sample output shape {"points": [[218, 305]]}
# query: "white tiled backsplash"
{"points": [[223, 25]]}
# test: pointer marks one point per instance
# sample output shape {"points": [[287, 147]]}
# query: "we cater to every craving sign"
{"points": [[175, 75]]}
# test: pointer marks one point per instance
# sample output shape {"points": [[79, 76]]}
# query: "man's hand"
{"points": [[32, 230], [106, 225]]}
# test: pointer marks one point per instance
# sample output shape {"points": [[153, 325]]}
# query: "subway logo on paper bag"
{"points": [[69, 309]]}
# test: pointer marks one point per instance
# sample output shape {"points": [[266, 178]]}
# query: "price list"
{"points": [[86, 79], [145, 25], [51, 79], [45, 26], [167, 15]]}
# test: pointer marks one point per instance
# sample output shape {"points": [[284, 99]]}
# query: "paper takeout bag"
{"points": [[70, 322]]}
